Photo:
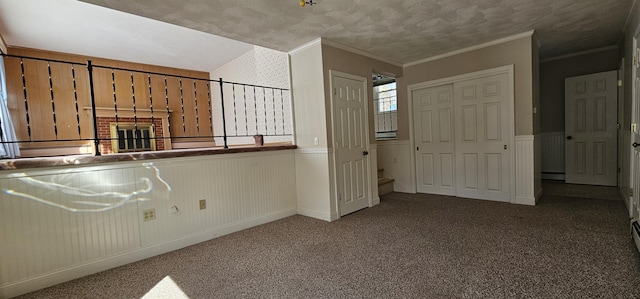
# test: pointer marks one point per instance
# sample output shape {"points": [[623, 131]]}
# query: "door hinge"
{"points": [[335, 91], [619, 170], [634, 61], [619, 83], [630, 191], [633, 127], [417, 148]]}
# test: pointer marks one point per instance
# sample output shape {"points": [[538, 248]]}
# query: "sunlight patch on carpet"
{"points": [[166, 288]]}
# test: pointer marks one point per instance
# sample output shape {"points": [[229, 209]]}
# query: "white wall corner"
{"points": [[525, 170], [394, 156], [305, 46]]}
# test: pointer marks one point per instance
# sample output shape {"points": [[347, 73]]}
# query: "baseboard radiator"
{"points": [[552, 155], [635, 232]]}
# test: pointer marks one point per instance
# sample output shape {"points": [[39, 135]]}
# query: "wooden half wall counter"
{"points": [[166, 94]]}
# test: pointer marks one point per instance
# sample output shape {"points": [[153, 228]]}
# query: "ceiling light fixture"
{"points": [[310, 2]]}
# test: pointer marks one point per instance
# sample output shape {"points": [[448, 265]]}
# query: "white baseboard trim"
{"points": [[50, 279], [552, 176], [528, 201], [315, 214], [375, 201]]}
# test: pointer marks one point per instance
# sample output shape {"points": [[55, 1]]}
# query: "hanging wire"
{"points": [[115, 104], [209, 106], [53, 103], [184, 127], [246, 118], [235, 118], [153, 122], [75, 97], [26, 103], [195, 100], [166, 98]]}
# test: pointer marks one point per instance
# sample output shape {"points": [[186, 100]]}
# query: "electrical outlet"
{"points": [[148, 215], [203, 204]]}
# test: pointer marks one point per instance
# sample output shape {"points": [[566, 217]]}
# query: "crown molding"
{"points": [[305, 46], [601, 49], [359, 52], [536, 39], [473, 48]]}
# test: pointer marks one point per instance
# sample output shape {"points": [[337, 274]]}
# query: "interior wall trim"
{"points": [[334, 44], [473, 48], [310, 44], [47, 280]]}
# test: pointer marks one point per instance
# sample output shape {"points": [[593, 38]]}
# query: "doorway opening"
{"points": [[385, 106]]}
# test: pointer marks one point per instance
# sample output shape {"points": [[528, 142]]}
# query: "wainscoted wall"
{"points": [[373, 169], [57, 224], [552, 151], [525, 173], [395, 158], [313, 183]]}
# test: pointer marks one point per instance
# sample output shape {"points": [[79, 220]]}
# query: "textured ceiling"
{"points": [[399, 30]]}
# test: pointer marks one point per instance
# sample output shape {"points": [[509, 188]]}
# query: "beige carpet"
{"points": [[409, 246]]}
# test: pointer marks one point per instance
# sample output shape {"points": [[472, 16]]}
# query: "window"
{"points": [[386, 97], [385, 106], [131, 138]]}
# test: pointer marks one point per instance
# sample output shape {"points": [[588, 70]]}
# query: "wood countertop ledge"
{"points": [[26, 163]]}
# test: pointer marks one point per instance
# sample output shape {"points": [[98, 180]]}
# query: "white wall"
{"points": [[313, 160], [262, 67], [395, 158], [61, 223]]}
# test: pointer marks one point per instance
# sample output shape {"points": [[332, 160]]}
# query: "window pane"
{"points": [[121, 144], [129, 139], [138, 139], [146, 140]]}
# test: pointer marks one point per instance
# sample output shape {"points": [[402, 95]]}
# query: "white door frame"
{"points": [[507, 69], [634, 203], [333, 151]]}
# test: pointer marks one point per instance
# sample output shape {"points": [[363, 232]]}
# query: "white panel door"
{"points": [[590, 128], [434, 136], [351, 143], [482, 138]]}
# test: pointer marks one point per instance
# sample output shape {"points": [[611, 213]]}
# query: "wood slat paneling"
{"points": [[41, 108]]}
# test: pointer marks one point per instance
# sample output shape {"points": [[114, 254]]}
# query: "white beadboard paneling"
{"points": [[50, 221], [312, 183], [373, 169], [552, 151], [395, 158], [59, 224], [525, 171]]}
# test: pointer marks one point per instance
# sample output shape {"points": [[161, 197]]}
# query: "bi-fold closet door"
{"points": [[462, 138]]}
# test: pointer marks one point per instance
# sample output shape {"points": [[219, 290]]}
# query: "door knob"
{"points": [[635, 144], [569, 137], [505, 146], [365, 153]]}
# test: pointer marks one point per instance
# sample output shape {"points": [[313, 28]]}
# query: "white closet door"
{"points": [[434, 136], [482, 138]]}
